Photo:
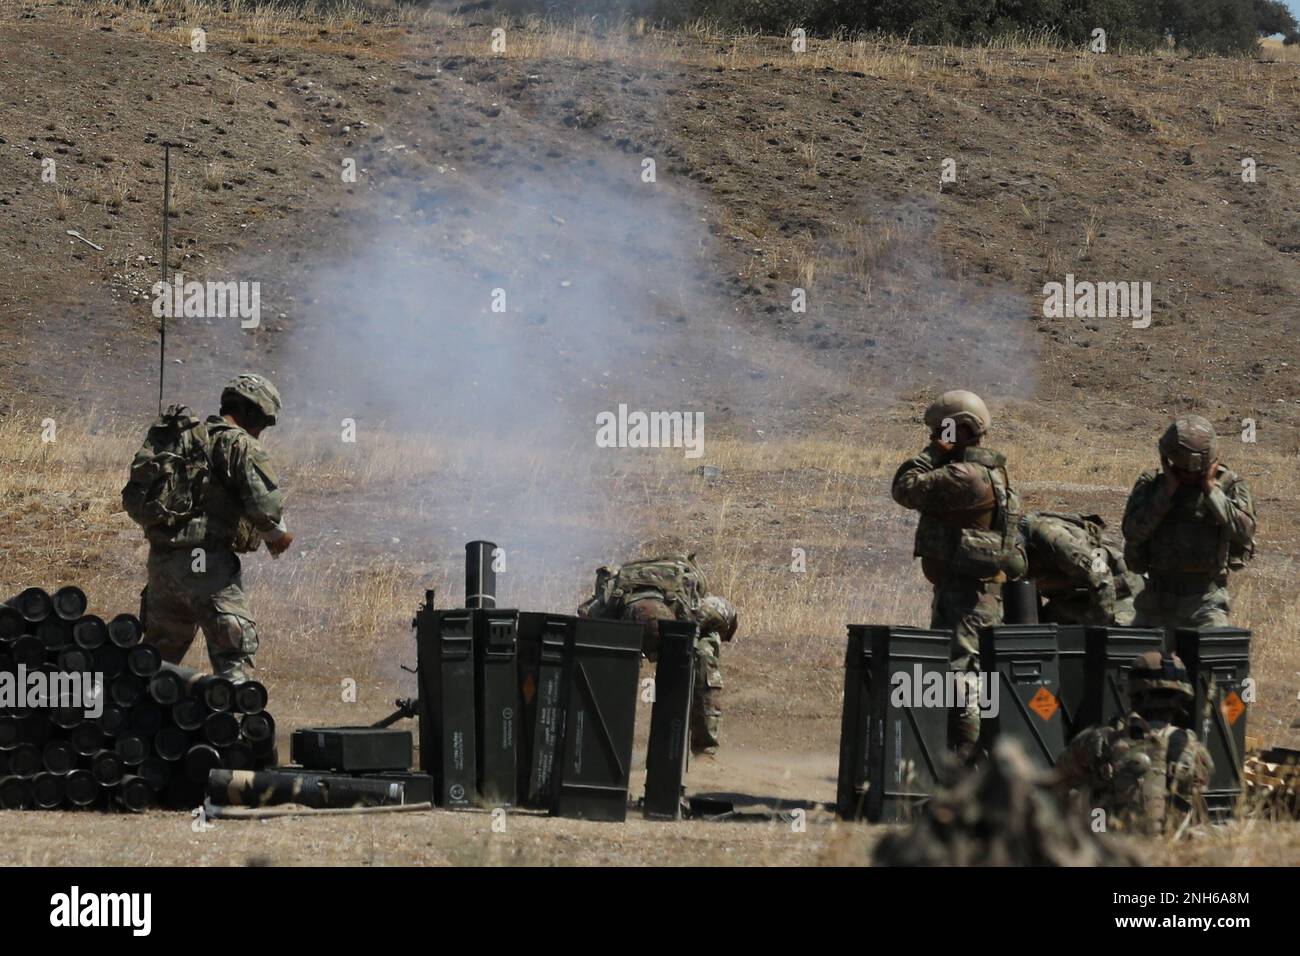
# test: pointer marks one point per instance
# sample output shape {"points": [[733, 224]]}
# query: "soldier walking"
{"points": [[967, 538], [205, 492], [1186, 525]]}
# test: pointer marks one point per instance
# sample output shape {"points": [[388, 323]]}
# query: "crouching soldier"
{"points": [[1144, 773], [672, 588], [1080, 575], [204, 492]]}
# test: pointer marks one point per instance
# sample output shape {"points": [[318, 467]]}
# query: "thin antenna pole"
{"points": [[162, 329]]}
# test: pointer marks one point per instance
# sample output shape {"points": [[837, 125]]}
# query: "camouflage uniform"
{"points": [[670, 589], [1143, 771], [1186, 541], [1145, 774], [194, 568], [1080, 575], [967, 542]]}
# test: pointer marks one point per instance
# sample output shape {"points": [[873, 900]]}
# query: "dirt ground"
{"points": [[523, 171]]}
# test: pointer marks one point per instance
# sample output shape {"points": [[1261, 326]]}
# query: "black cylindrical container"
{"points": [[199, 760], [238, 756], [55, 633], [108, 768], [48, 790], [143, 660], [34, 604], [250, 697], [82, 788], [67, 716], [113, 720], [147, 718], [1020, 602], [257, 728], [90, 632], [125, 630], [75, 660], [132, 748], [86, 738], [26, 760], [171, 743], [59, 757], [166, 687], [157, 771], [135, 794], [217, 692], [68, 602], [480, 578], [126, 690], [34, 727], [12, 623], [221, 729], [11, 731], [28, 650], [15, 793], [188, 713], [110, 661]]}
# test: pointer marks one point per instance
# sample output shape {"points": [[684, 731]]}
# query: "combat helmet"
{"points": [[1189, 444], [257, 390], [963, 407], [1153, 672], [718, 616]]}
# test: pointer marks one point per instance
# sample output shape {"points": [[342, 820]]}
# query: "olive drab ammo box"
{"points": [[1109, 652], [1218, 662], [598, 695], [350, 749], [497, 683], [907, 745], [670, 717], [1020, 665], [542, 641], [855, 724], [1071, 657], [448, 748]]}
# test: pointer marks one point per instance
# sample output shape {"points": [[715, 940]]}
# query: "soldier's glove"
{"points": [[281, 544]]}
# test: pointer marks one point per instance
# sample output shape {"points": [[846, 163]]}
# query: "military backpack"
{"points": [[675, 578], [170, 472]]}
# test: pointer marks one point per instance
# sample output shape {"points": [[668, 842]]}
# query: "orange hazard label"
{"points": [[1233, 707], [1043, 703]]}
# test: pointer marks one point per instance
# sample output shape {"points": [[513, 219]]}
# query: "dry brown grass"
{"points": [[821, 494], [338, 609]]}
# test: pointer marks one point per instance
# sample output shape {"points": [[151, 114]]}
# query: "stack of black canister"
{"points": [[91, 717]]}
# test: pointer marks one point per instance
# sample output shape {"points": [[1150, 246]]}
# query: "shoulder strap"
{"points": [[984, 456]]}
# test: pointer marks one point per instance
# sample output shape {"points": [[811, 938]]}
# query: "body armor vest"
{"points": [[1138, 771], [981, 542]]}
